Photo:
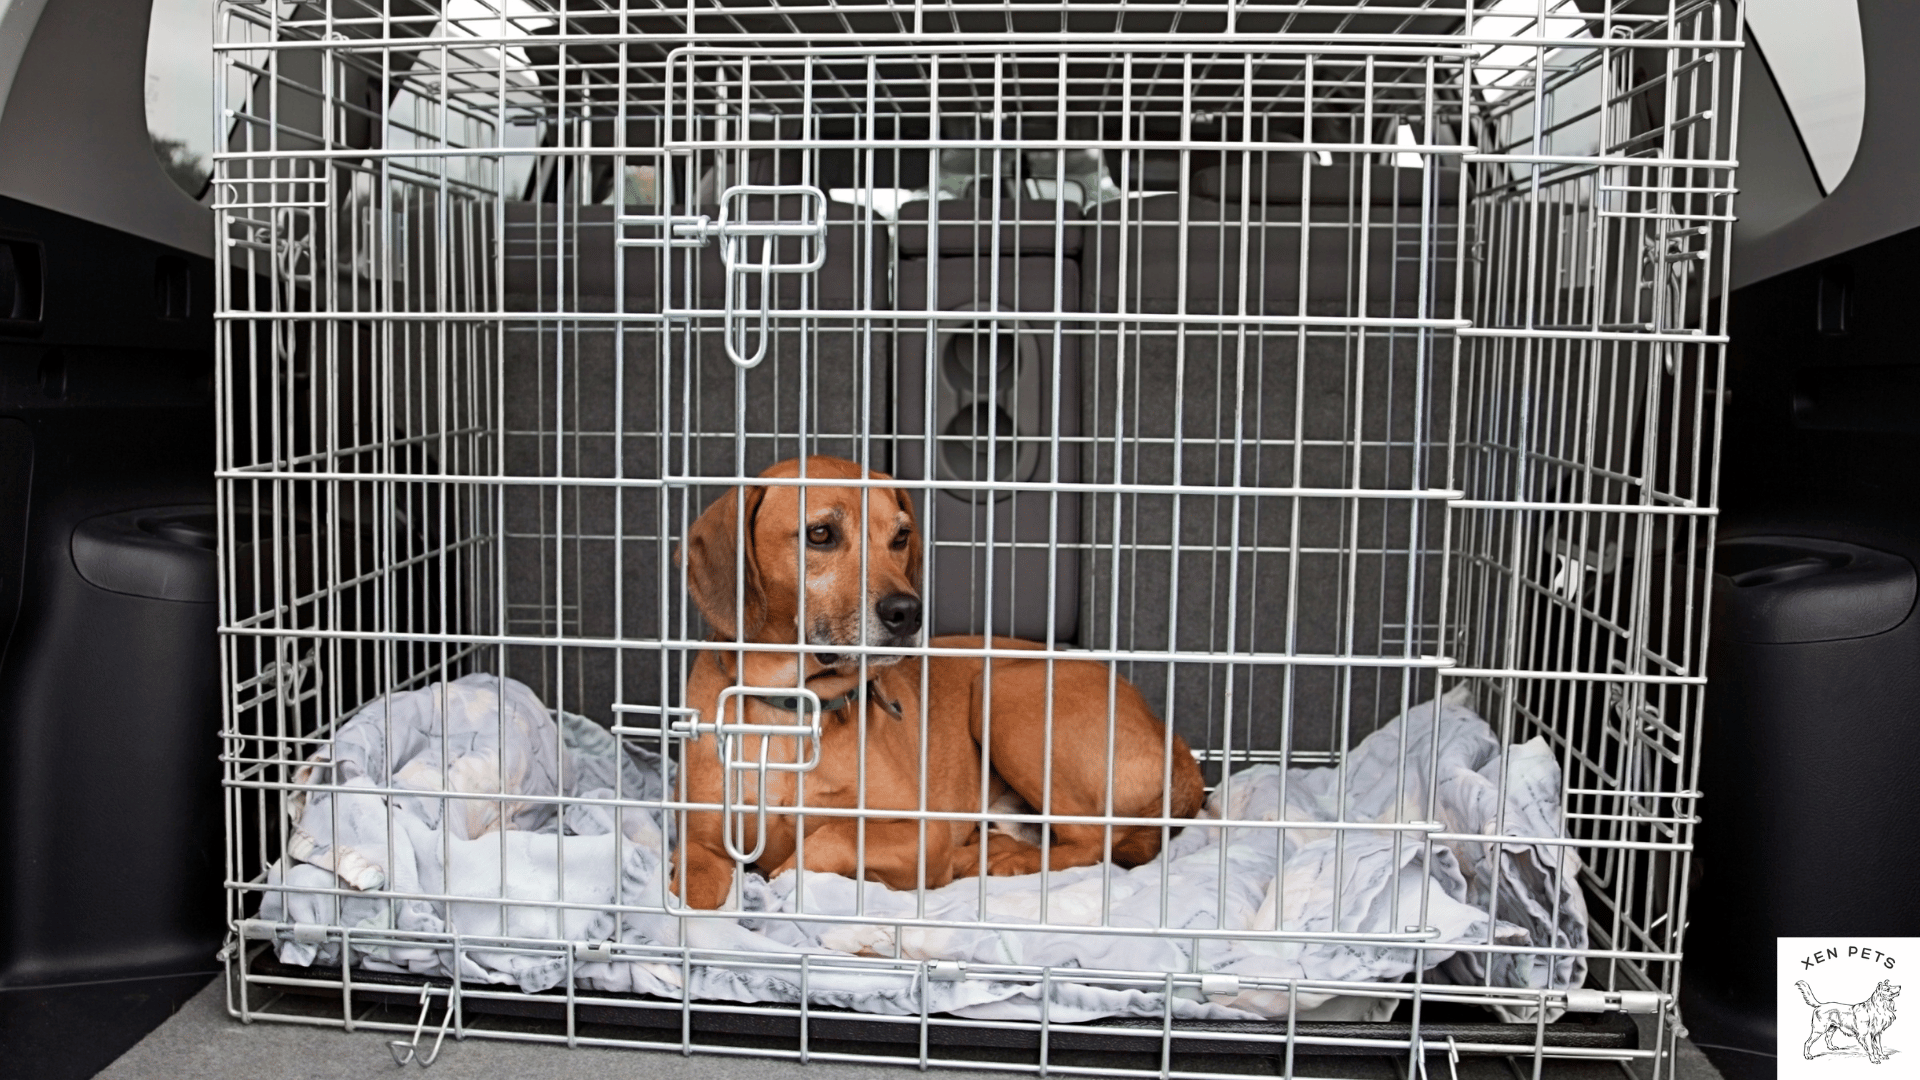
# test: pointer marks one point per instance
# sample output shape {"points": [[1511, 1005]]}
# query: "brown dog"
{"points": [[844, 569]]}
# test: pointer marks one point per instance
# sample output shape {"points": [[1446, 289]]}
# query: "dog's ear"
{"points": [[722, 576], [915, 551]]}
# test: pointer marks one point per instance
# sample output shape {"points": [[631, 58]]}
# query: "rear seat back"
{"points": [[1197, 403], [1010, 256], [1365, 250]]}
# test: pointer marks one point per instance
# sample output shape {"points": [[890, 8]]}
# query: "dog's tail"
{"points": [[1806, 994]]}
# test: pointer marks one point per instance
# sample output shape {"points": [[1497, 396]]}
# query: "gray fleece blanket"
{"points": [[351, 850]]}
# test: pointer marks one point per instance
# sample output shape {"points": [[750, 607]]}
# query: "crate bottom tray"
{"points": [[538, 1012]]}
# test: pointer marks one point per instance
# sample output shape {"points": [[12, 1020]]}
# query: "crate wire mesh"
{"points": [[1302, 362]]}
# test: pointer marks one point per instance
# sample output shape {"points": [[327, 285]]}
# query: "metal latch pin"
{"points": [[411, 1047]]}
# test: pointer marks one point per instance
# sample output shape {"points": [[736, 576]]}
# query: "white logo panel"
{"points": [[1839, 1006]]}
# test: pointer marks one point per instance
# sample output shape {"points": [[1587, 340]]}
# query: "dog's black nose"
{"points": [[899, 613]]}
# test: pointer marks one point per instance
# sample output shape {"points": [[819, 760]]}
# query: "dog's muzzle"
{"points": [[893, 623]]}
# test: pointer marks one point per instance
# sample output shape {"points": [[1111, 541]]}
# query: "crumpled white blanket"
{"points": [[357, 844]]}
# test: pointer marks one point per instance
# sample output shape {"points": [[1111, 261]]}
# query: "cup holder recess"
{"points": [[977, 363], [979, 444], [988, 402]]}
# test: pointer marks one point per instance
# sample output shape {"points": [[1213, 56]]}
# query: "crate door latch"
{"points": [[789, 237], [744, 751]]}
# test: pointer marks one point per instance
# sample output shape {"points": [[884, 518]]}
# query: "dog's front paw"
{"points": [[703, 891]]}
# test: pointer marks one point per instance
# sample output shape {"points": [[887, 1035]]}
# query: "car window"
{"points": [[180, 90], [1506, 74], [1814, 51], [180, 83]]}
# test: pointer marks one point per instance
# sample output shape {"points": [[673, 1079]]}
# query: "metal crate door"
{"points": [[750, 198]]}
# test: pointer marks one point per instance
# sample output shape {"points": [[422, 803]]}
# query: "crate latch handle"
{"points": [[750, 248]]}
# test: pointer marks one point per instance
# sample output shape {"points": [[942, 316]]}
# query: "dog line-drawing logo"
{"points": [[1864, 1025]]}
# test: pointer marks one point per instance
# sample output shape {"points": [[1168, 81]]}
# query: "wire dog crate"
{"points": [[1344, 377]]}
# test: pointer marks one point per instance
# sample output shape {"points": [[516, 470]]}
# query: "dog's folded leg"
{"points": [[1073, 845], [891, 855], [1000, 848]]}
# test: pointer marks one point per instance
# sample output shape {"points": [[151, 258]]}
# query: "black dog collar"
{"points": [[794, 703]]}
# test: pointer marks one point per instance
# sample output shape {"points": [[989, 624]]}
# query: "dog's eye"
{"points": [[900, 538], [820, 535]]}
